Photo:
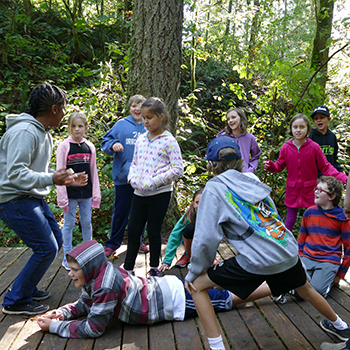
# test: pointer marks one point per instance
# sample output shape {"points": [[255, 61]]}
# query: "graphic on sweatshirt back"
{"points": [[262, 217]]}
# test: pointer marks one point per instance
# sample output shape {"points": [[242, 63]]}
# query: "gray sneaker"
{"points": [[29, 309], [343, 334], [332, 346]]}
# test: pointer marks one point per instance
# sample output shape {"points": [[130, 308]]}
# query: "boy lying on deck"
{"points": [[109, 291]]}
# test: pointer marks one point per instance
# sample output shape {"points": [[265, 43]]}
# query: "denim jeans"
{"points": [[34, 223], [69, 221]]}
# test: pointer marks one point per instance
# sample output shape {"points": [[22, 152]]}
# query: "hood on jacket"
{"points": [[13, 119], [241, 184], [91, 258]]}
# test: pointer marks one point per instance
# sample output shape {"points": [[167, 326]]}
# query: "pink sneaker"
{"points": [[143, 248], [109, 252], [216, 261], [184, 260]]}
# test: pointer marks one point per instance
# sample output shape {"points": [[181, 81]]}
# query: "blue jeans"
{"points": [[69, 221], [34, 223]]}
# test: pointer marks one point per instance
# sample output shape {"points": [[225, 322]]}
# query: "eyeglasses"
{"points": [[320, 190]]}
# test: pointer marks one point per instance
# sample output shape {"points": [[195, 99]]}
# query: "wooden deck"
{"points": [[260, 325]]}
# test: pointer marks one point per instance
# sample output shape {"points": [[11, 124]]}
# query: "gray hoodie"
{"points": [[25, 154], [262, 249]]}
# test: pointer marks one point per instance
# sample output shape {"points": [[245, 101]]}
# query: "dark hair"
{"points": [[136, 99], [305, 119], [157, 106], [43, 97], [335, 187], [243, 123], [218, 167], [190, 212]]}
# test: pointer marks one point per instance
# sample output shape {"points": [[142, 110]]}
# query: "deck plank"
{"points": [[263, 324]]}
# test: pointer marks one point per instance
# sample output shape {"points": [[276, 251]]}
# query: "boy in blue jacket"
{"points": [[267, 261], [120, 143]]}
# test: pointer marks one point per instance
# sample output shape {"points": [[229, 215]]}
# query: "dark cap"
{"points": [[321, 109], [219, 143]]}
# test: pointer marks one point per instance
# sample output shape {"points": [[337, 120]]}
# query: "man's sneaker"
{"points": [[65, 264], [184, 260], [109, 252], [41, 295], [342, 334], [332, 346], [143, 248], [30, 309], [154, 273]]}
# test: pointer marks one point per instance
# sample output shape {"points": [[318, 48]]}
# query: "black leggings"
{"points": [[188, 231], [150, 210]]}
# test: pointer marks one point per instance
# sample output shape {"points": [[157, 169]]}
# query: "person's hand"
{"points": [[164, 267], [118, 147], [190, 287], [44, 323], [54, 314], [80, 180], [266, 164], [63, 176]]}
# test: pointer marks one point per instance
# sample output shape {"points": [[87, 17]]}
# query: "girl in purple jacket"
{"points": [[237, 129], [301, 156]]}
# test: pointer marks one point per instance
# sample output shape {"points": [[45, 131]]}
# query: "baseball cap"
{"points": [[321, 109], [219, 143]]}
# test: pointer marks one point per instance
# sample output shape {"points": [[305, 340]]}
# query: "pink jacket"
{"points": [[61, 162], [302, 171]]}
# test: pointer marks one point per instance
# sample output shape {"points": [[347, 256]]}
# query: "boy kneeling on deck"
{"points": [[238, 206], [109, 291]]}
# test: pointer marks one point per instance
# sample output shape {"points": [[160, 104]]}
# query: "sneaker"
{"points": [[184, 260], [30, 309], [342, 334], [216, 261], [41, 295], [143, 248], [154, 273], [109, 252], [281, 299], [65, 264], [332, 346], [295, 294]]}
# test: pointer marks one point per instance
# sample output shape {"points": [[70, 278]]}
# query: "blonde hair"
{"points": [[218, 167], [77, 115]]}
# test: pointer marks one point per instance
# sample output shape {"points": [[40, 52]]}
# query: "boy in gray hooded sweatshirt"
{"points": [[238, 206]]}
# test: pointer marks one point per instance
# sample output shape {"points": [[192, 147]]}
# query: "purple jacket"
{"points": [[249, 149]]}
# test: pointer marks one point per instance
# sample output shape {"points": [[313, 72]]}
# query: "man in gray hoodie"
{"points": [[238, 206]]}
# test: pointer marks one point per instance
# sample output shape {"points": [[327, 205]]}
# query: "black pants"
{"points": [[150, 210]]}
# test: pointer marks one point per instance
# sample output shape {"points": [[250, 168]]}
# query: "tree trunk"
{"points": [[320, 52], [156, 52], [155, 63]]}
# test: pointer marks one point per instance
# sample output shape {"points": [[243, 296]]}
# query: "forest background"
{"points": [[272, 58]]}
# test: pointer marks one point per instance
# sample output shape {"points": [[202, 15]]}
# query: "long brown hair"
{"points": [[243, 123], [190, 213]]}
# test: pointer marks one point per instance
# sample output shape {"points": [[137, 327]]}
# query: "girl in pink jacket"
{"points": [[301, 156], [78, 154]]}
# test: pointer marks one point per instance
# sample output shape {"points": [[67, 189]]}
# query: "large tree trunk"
{"points": [[155, 62], [320, 52], [156, 52]]}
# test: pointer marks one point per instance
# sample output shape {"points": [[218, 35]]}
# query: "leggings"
{"points": [[291, 218], [152, 210]]}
